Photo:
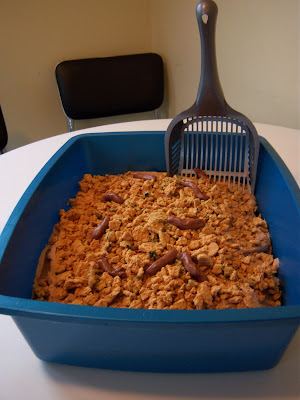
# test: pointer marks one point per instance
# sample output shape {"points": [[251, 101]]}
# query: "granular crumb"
{"points": [[108, 267]]}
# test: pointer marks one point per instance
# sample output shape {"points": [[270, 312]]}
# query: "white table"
{"points": [[23, 376]]}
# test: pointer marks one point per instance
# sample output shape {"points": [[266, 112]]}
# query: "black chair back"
{"points": [[3, 133], [109, 86]]}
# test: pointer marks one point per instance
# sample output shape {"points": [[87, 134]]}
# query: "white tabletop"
{"points": [[23, 376]]}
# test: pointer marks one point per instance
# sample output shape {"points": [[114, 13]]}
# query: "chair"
{"points": [[108, 86], [3, 133]]}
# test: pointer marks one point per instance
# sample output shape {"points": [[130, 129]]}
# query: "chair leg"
{"points": [[70, 124]]}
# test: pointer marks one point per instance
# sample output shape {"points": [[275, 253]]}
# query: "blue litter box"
{"points": [[145, 340]]}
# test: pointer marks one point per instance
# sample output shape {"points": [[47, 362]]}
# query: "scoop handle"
{"points": [[210, 98]]}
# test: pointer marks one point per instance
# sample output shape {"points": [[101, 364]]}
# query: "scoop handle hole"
{"points": [[205, 18]]}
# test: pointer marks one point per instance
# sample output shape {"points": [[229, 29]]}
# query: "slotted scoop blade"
{"points": [[211, 135]]}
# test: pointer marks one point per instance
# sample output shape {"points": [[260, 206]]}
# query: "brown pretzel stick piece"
{"points": [[168, 258], [187, 223], [105, 266], [99, 231], [200, 173], [112, 197], [262, 248], [191, 267], [195, 189], [144, 175]]}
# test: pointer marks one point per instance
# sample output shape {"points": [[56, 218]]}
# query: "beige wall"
{"points": [[258, 47], [35, 35], [257, 50]]}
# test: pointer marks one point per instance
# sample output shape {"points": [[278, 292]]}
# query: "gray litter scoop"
{"points": [[211, 135]]}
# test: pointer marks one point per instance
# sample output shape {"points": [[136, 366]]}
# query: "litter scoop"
{"points": [[211, 135]]}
